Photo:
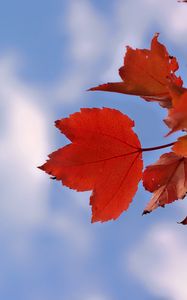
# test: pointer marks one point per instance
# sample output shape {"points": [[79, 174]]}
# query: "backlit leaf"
{"points": [[104, 156], [166, 179], [146, 73], [180, 146], [177, 115]]}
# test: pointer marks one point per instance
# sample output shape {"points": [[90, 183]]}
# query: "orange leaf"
{"points": [[180, 147], [104, 156], [167, 179], [175, 92], [146, 73], [177, 115]]}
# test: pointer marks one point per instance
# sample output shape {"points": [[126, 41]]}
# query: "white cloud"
{"points": [[23, 144], [159, 261], [71, 228], [86, 30], [170, 17], [95, 296]]}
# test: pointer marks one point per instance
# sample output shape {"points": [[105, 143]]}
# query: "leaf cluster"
{"points": [[105, 154]]}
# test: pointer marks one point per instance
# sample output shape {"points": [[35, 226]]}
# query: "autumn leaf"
{"points": [[146, 73], [180, 146], [166, 179], [177, 115], [183, 222], [175, 92], [104, 156]]}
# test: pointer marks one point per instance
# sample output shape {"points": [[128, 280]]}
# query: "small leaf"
{"points": [[177, 115], [183, 222], [166, 179], [104, 156], [180, 147]]}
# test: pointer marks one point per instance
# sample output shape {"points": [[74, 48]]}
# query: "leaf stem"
{"points": [[157, 147]]}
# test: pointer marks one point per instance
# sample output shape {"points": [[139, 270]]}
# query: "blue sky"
{"points": [[50, 53]]}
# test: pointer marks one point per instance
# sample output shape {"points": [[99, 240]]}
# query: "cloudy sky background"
{"points": [[50, 53]]}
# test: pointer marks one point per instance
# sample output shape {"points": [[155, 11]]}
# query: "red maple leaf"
{"points": [[104, 156], [167, 179], [177, 115], [146, 73], [180, 146]]}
